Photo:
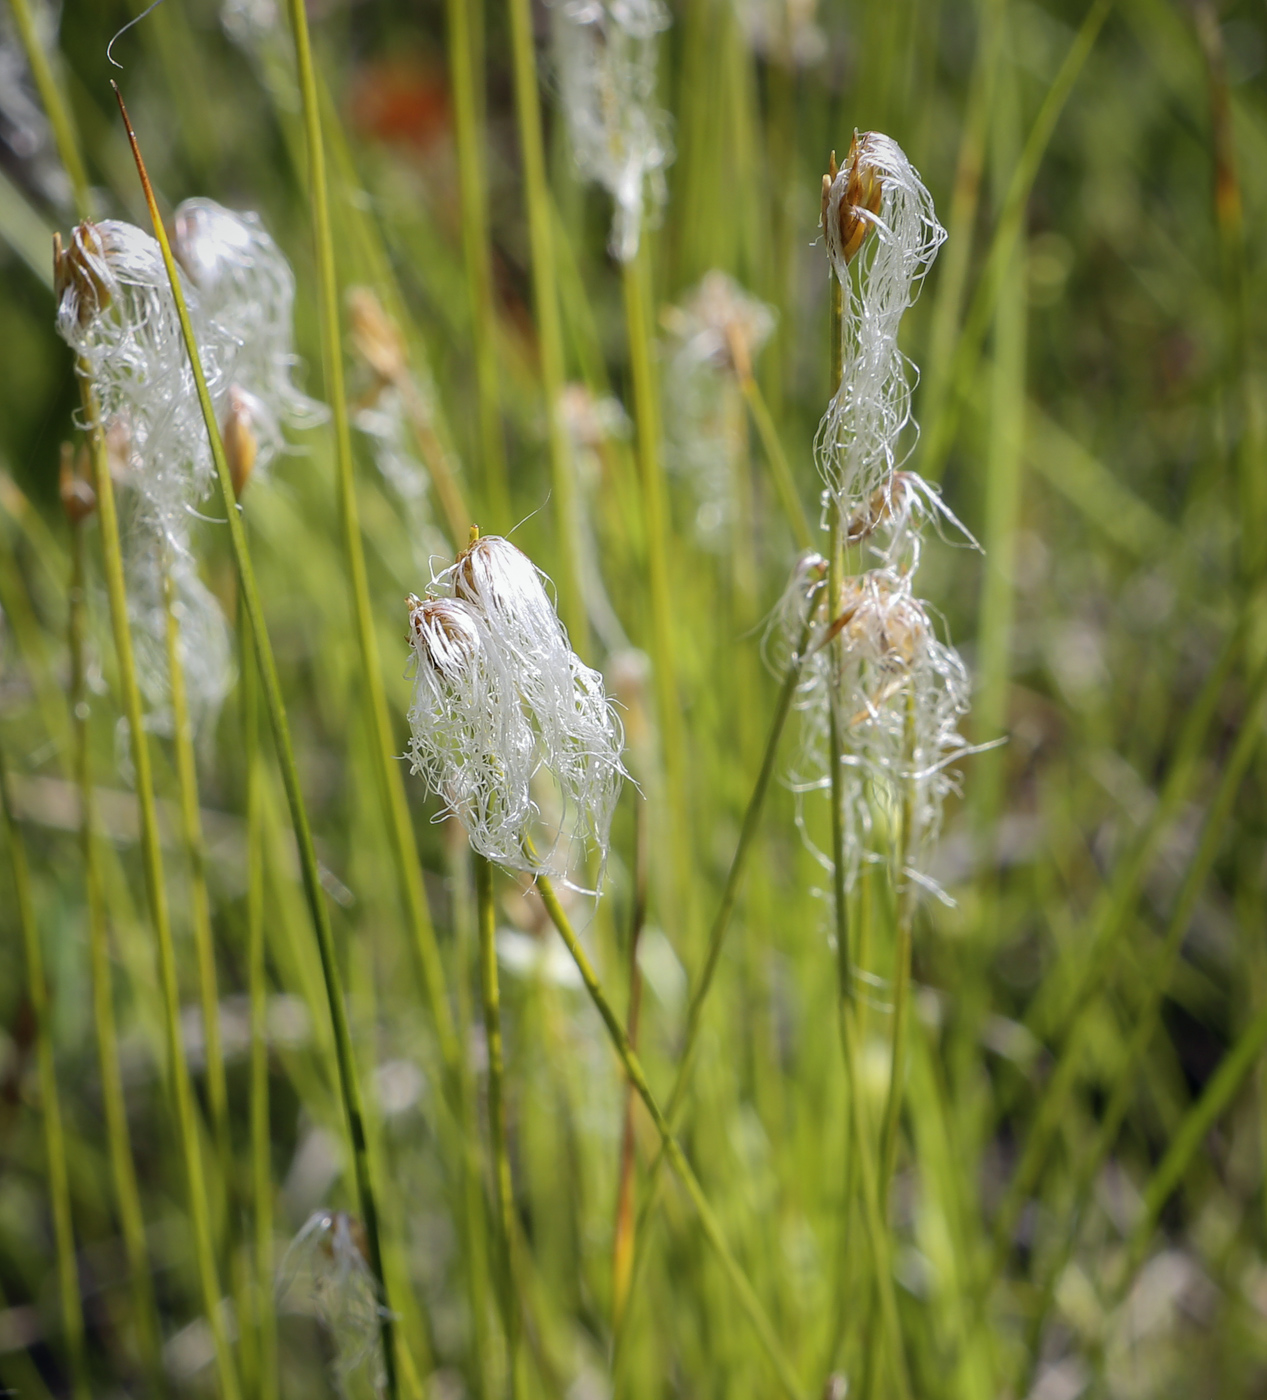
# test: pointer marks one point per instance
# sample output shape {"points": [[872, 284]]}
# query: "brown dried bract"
{"points": [[864, 189], [81, 267]]}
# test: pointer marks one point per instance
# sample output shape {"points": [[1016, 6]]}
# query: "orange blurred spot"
{"points": [[400, 99]]}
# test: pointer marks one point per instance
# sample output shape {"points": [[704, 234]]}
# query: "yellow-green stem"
{"points": [[487, 920], [637, 288], [545, 295], [784, 482], [748, 1299], [906, 900], [466, 52], [118, 1136], [199, 900], [50, 1104], [257, 992], [348, 1085], [156, 896], [55, 108]]}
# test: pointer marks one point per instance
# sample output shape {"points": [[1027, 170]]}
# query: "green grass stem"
{"points": [[348, 1085], [264, 1267], [466, 54], [486, 918], [118, 1135], [156, 895], [199, 900], [545, 295], [784, 481], [748, 1300], [50, 1103]]}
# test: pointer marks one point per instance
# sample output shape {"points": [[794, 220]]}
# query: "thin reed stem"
{"points": [[716, 939], [906, 902], [487, 919], [50, 1103], [637, 291], [545, 295], [942, 417], [265, 1317], [55, 108], [384, 749], [199, 900], [784, 481], [747, 1297], [156, 895], [118, 1135], [348, 1086], [624, 1256], [466, 54]]}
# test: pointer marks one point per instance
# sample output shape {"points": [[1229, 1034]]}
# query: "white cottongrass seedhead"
{"points": [[898, 693], [605, 60], [880, 229], [246, 287], [205, 647], [115, 310], [504, 709], [326, 1272], [719, 324], [714, 335]]}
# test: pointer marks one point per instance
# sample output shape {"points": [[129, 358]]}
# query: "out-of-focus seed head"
{"points": [[240, 444], [78, 498], [326, 1273], [376, 337], [719, 324]]}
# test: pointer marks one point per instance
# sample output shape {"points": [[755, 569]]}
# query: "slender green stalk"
{"points": [[784, 482], [942, 420], [388, 768], [466, 53], [545, 295], [637, 291], [199, 900], [55, 108], [861, 1158], [748, 1299], [118, 1136], [50, 1103], [156, 895], [487, 920], [1004, 479], [348, 1086], [906, 902], [257, 993], [716, 940]]}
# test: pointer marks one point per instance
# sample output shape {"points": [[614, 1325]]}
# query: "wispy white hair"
{"points": [[606, 57], [858, 441]]}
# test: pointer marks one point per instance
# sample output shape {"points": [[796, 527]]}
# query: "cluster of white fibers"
{"points": [[898, 694], [204, 641], [500, 699], [878, 219], [116, 311], [713, 338], [326, 1274], [606, 61], [247, 289]]}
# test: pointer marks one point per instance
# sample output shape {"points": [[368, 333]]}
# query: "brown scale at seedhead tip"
{"points": [[82, 265], [864, 189]]}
